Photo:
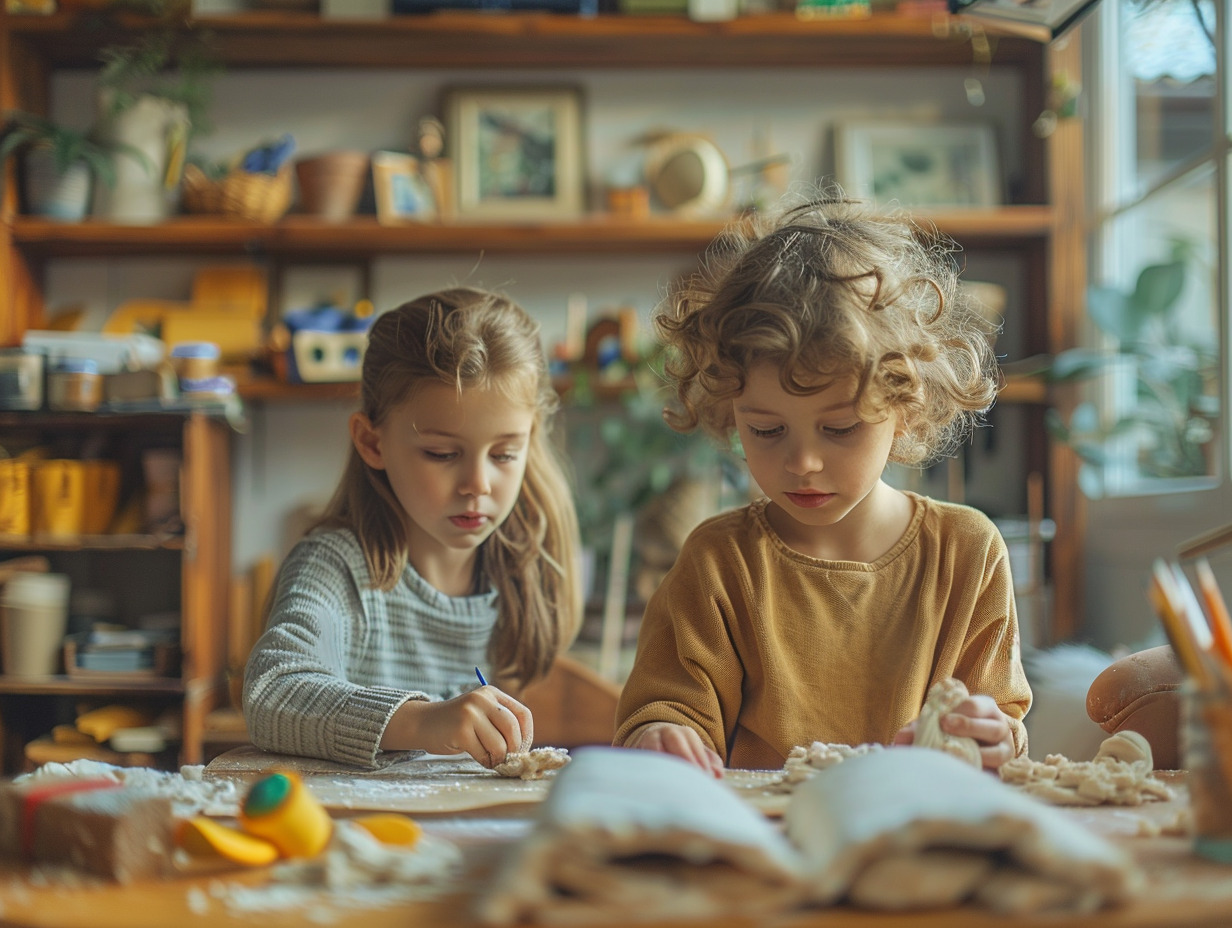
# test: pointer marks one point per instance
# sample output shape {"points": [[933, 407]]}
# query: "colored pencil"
{"points": [[1168, 604], [482, 681], [1216, 611]]}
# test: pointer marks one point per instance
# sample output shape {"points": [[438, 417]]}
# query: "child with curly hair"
{"points": [[830, 342]]}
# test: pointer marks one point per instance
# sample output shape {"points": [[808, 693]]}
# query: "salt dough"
{"points": [[905, 803], [625, 827], [931, 879], [533, 764], [802, 762], [1121, 774], [943, 698]]}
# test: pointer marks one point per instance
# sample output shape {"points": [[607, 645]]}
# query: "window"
{"points": [[1158, 182]]}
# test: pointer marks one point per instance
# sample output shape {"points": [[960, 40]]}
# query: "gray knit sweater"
{"points": [[338, 657]]}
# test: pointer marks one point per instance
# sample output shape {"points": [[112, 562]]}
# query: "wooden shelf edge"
{"points": [[126, 542], [486, 39], [363, 236], [63, 685]]}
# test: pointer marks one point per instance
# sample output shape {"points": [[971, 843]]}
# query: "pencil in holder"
{"points": [[1206, 750]]}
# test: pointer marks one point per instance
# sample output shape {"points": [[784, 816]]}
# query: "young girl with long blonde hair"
{"points": [[450, 543]]}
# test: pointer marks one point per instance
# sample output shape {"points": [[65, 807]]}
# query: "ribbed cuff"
{"points": [[358, 728]]}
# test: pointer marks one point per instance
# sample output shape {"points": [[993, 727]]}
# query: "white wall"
{"points": [[293, 452]]}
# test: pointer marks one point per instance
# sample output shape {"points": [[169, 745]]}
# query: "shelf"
{"points": [[66, 686], [129, 542], [302, 236], [1024, 390], [486, 40], [267, 389]]}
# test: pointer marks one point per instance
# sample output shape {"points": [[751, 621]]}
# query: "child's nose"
{"points": [[475, 481], [804, 459]]}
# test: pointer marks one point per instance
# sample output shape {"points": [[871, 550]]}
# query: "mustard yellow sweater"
{"points": [[760, 648]]}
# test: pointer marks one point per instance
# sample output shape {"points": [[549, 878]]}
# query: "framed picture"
{"points": [[402, 195], [925, 165], [517, 152]]}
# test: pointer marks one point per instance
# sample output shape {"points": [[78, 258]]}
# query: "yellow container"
{"points": [[102, 495], [58, 493], [14, 497]]}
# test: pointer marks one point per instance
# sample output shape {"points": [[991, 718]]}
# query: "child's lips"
{"points": [[809, 499], [470, 520]]}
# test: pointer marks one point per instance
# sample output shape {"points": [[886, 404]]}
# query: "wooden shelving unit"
{"points": [[1041, 229], [201, 556]]}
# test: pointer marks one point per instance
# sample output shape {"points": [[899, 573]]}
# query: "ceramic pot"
{"points": [[63, 195], [330, 185], [147, 188]]}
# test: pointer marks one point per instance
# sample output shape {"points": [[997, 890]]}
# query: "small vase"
{"points": [[330, 185], [146, 188], [62, 195]]}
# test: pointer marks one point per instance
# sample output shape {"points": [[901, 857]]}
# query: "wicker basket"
{"points": [[259, 197]]}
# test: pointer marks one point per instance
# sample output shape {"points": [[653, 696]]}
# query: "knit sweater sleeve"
{"points": [[990, 660], [298, 698], [687, 670]]}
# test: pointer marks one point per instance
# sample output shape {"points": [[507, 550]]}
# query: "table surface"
{"points": [[1183, 891]]}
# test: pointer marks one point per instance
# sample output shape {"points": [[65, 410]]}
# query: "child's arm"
{"points": [[989, 661], [680, 740], [484, 723], [685, 690]]}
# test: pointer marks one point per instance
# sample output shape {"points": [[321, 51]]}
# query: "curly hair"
{"points": [[826, 290], [470, 338]]}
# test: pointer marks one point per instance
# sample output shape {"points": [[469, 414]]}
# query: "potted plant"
{"points": [[1157, 420], [154, 94], [60, 163], [629, 462]]}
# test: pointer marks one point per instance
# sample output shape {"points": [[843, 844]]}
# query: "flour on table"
{"points": [[944, 697], [533, 764], [1120, 774], [355, 871], [189, 794]]}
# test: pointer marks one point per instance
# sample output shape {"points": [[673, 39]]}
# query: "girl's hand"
{"points": [[680, 740], [977, 717], [485, 723]]}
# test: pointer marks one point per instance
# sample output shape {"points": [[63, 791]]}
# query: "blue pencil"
{"points": [[482, 681]]}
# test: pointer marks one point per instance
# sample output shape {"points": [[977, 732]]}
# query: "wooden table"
{"points": [[1183, 891]]}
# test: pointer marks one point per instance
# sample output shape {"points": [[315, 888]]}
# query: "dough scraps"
{"points": [[943, 698], [1121, 774], [803, 762], [533, 764]]}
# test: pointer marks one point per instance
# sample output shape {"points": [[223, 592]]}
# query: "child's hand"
{"points": [[977, 717], [485, 723], [680, 740]]}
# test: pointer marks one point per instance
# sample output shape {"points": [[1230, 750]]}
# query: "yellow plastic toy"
{"points": [[280, 809], [204, 837]]}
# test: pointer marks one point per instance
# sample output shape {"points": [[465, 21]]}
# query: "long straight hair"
{"points": [[470, 338]]}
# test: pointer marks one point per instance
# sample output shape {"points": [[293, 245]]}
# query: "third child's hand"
{"points": [[485, 723], [680, 740]]}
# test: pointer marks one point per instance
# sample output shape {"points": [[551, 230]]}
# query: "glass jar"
{"points": [[1206, 752], [195, 362], [74, 385]]}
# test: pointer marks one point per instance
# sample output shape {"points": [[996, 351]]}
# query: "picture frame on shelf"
{"points": [[517, 152], [402, 195], [940, 165]]}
